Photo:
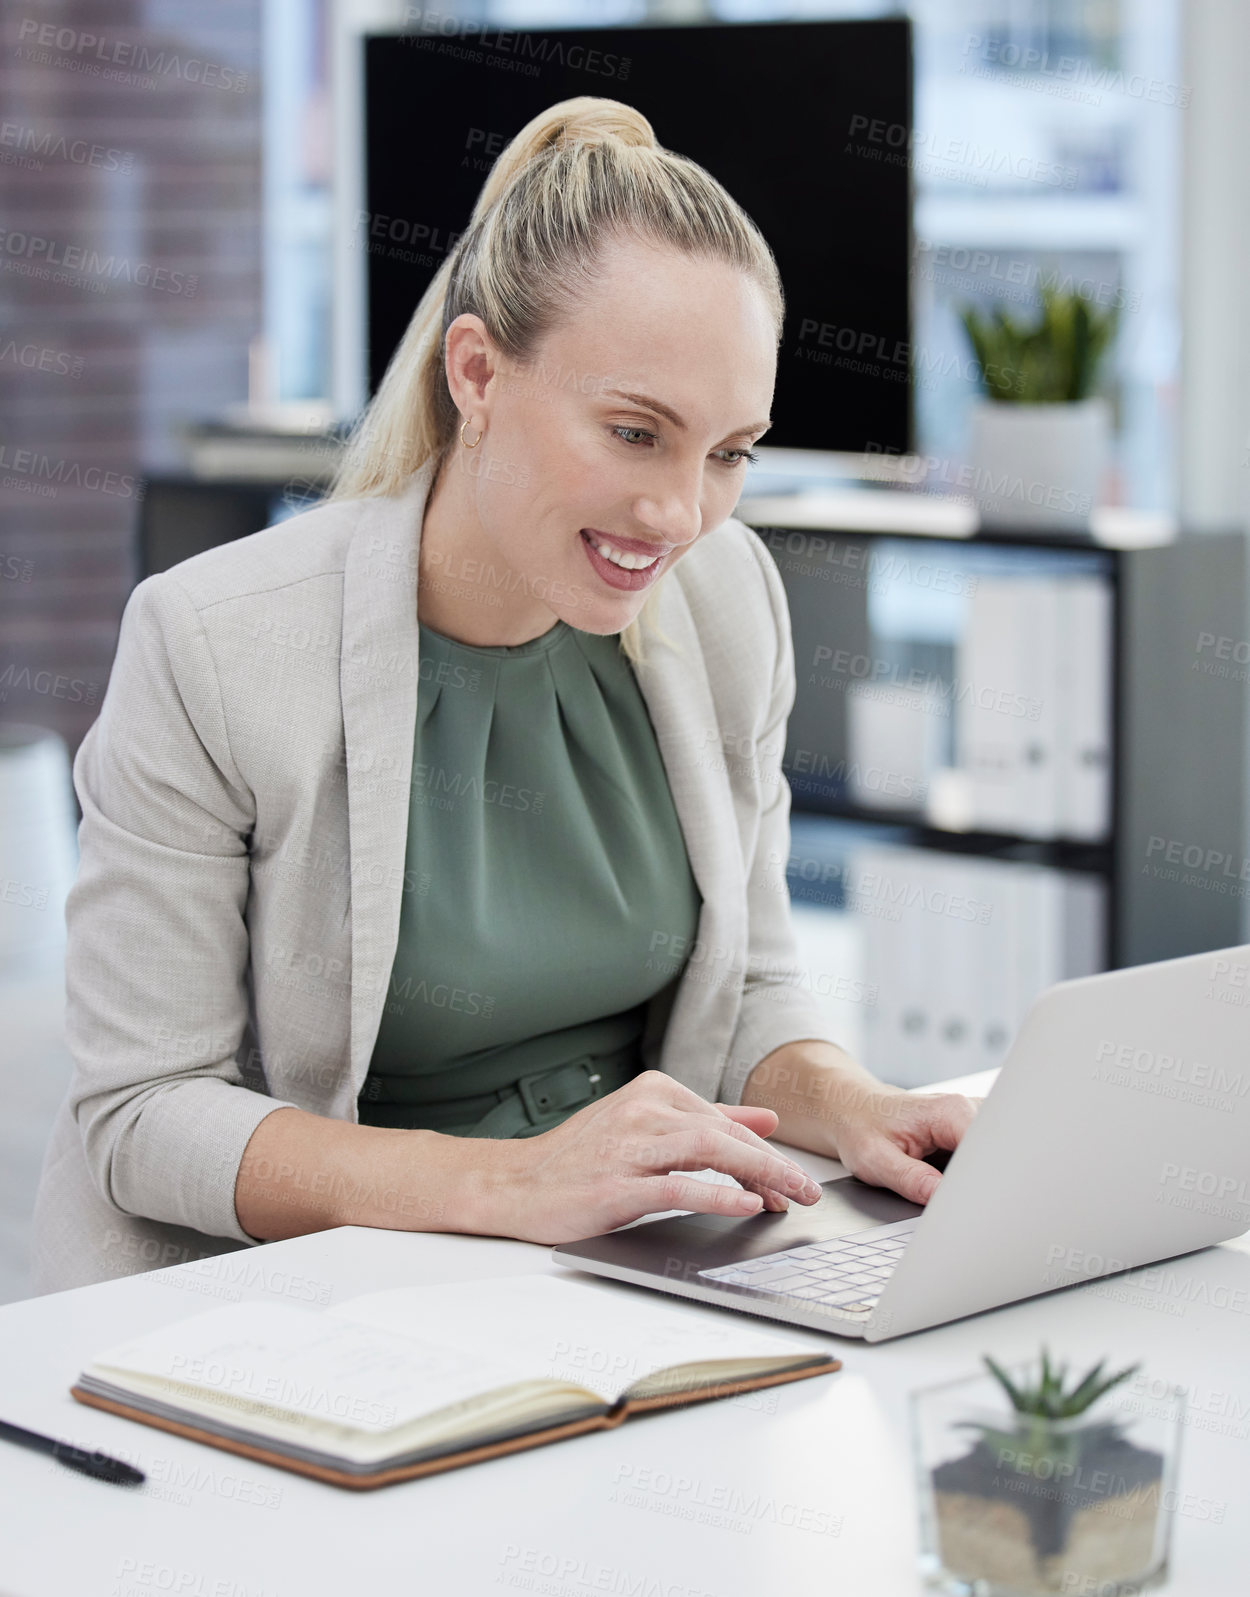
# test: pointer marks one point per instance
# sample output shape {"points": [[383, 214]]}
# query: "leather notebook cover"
{"points": [[469, 1455]]}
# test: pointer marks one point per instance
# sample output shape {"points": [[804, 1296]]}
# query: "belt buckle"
{"points": [[541, 1102]]}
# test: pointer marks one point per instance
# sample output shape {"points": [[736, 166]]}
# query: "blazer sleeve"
{"points": [[776, 1009], [157, 943]]}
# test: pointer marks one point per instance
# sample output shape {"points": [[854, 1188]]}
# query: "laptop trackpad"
{"points": [[844, 1206], [689, 1243]]}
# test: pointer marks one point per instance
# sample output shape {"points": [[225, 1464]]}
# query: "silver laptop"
{"points": [[1116, 1134]]}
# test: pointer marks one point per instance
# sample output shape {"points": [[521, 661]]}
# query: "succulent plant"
{"points": [[1038, 1406], [1055, 361], [1047, 1398], [1051, 1469]]}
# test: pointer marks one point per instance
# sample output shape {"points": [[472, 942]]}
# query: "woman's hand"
{"points": [[827, 1102], [610, 1163], [884, 1138]]}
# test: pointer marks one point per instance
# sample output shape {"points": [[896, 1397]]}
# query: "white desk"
{"points": [[803, 1491]]}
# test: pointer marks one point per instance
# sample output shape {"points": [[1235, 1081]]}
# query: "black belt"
{"points": [[533, 1103]]}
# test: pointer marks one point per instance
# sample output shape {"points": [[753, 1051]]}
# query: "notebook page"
{"points": [[593, 1334], [368, 1378]]}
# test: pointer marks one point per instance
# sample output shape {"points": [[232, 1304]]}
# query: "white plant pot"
{"points": [[1038, 467]]}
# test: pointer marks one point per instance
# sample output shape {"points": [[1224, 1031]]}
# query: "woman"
{"points": [[466, 922]]}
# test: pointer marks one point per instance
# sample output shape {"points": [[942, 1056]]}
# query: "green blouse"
{"points": [[546, 886]]}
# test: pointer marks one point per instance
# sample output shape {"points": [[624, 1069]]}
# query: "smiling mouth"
{"points": [[626, 559]]}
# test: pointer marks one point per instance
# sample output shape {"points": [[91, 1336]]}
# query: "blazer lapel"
{"points": [[378, 683], [679, 700]]}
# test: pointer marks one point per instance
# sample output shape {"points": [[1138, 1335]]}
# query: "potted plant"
{"points": [[1047, 1495], [1039, 438]]}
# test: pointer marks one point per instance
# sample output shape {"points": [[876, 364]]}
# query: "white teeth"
{"points": [[618, 557]]}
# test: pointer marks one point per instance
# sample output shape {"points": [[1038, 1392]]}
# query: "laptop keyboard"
{"points": [[845, 1273]]}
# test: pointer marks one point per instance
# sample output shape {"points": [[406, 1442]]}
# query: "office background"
{"points": [[183, 267]]}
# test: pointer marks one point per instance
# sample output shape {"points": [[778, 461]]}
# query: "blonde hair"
{"points": [[578, 173]]}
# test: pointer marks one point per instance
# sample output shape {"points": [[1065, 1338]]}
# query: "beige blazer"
{"points": [[245, 796]]}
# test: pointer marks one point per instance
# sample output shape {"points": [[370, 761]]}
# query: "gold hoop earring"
{"points": [[475, 442]]}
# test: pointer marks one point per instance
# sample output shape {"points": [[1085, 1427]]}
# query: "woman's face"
{"points": [[628, 432]]}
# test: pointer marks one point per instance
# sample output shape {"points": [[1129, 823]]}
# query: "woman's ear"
{"points": [[470, 363]]}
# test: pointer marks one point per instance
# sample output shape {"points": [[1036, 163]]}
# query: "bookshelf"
{"points": [[1167, 873]]}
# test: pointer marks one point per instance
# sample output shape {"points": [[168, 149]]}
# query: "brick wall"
{"points": [[130, 287]]}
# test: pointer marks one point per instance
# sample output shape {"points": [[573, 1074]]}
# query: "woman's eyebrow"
{"points": [[671, 415]]}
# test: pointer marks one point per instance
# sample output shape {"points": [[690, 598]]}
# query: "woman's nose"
{"points": [[676, 512]]}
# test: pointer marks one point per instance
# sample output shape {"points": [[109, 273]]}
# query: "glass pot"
{"points": [[1016, 1505]]}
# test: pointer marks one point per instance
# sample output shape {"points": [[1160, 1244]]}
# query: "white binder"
{"points": [[986, 740], [1008, 704], [1037, 677], [1084, 741]]}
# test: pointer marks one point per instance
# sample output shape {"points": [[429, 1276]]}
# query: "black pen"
{"points": [[98, 1465]]}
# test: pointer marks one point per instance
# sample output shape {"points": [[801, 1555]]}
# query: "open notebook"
{"points": [[414, 1380]]}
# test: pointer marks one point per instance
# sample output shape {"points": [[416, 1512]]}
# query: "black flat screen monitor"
{"points": [[807, 124]]}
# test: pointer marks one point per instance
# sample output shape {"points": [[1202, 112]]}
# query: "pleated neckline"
{"points": [[504, 651]]}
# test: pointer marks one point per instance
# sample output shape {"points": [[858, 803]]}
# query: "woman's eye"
{"points": [[641, 432]]}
